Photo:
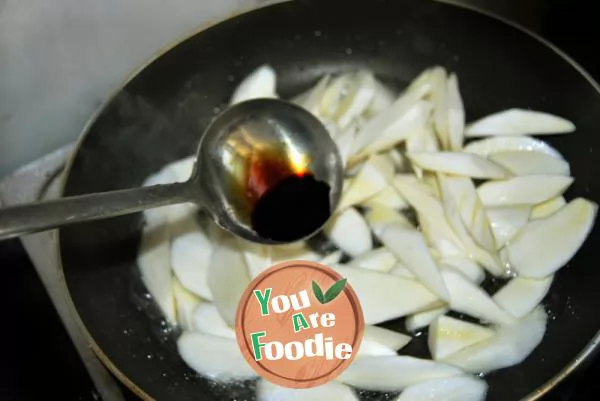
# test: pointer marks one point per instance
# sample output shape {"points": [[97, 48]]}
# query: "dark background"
{"points": [[38, 361]]}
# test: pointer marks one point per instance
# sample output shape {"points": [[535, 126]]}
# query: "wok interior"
{"points": [[158, 116]]}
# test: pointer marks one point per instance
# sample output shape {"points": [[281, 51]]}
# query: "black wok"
{"points": [[156, 117]]}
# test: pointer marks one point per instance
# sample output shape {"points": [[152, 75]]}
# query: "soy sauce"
{"points": [[292, 209]]}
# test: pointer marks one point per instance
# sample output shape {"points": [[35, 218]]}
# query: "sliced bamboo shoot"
{"points": [[466, 266], [191, 252], [456, 114], [448, 335], [394, 373], [523, 190], [459, 388], [372, 179], [332, 259], [519, 122], [464, 164], [388, 197], [186, 303], [267, 391], [510, 346], [468, 298], [559, 235], [409, 246], [531, 163], [521, 295], [350, 232], [215, 357], [390, 127], [394, 296], [380, 259], [228, 278], [208, 320], [423, 319], [257, 256], [507, 221], [154, 262], [547, 208], [388, 338], [261, 83], [402, 271], [487, 146], [470, 208]]}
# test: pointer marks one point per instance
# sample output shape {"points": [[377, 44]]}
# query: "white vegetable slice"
{"points": [[523, 190], [486, 258], [470, 208], [345, 143], [506, 221], [402, 271], [215, 357], [182, 169], [371, 348], [439, 243], [267, 391], [394, 373], [439, 96], [186, 303], [460, 388], [332, 258], [384, 296], [295, 251], [519, 122], [423, 319], [510, 346], [429, 209], [260, 83], [388, 338], [409, 246], [468, 298], [191, 252], [547, 208], [388, 197], [487, 146], [380, 259], [448, 335], [208, 320], [154, 262], [257, 256], [423, 140], [379, 216], [466, 266], [456, 114], [390, 127], [400, 162], [531, 163], [357, 100], [228, 278], [559, 235], [521, 295], [350, 232], [372, 179], [458, 163], [313, 99]]}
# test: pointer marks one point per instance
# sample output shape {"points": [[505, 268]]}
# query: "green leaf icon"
{"points": [[318, 292], [334, 290], [331, 293]]}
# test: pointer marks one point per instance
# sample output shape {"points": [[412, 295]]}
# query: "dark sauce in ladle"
{"points": [[289, 203]]}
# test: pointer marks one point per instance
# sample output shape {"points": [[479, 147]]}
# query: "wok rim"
{"points": [[583, 357]]}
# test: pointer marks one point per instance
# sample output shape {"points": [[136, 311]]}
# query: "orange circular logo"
{"points": [[299, 324]]}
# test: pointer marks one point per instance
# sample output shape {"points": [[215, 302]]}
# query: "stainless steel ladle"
{"points": [[247, 131]]}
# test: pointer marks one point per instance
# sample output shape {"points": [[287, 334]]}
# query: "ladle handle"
{"points": [[40, 216]]}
